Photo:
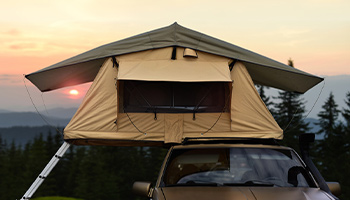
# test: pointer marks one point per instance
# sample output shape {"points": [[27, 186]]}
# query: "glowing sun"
{"points": [[74, 92]]}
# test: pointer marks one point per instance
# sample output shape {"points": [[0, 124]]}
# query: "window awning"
{"points": [[164, 65], [174, 70]]}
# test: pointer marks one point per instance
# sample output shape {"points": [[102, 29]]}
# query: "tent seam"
{"points": [[175, 32]]}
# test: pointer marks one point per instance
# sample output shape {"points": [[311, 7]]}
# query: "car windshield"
{"points": [[235, 167]]}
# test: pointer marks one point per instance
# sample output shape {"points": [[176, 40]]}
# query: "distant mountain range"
{"points": [[23, 127], [29, 119], [21, 135], [4, 111], [53, 117]]}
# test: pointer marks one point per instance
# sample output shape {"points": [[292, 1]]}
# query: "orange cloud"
{"points": [[21, 46], [12, 32]]}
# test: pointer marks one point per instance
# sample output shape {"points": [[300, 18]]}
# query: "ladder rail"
{"points": [[46, 171]]}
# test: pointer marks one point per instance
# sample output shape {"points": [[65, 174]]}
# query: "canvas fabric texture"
{"points": [[249, 113], [98, 121], [98, 111], [156, 65]]}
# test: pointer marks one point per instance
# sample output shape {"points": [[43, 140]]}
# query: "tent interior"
{"points": [[173, 97]]}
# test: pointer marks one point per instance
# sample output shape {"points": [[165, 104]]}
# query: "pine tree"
{"points": [[266, 99], [71, 163], [346, 115], [333, 152], [36, 160], [289, 114], [14, 171], [346, 111], [3, 156], [153, 161], [4, 166], [344, 173], [328, 116]]}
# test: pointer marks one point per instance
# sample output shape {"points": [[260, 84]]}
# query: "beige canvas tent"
{"points": [[169, 84]]}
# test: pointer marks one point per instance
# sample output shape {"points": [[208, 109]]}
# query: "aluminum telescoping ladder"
{"points": [[46, 171]]}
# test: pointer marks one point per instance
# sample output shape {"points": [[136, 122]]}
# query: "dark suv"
{"points": [[239, 170]]}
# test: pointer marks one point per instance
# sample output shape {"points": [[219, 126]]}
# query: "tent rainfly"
{"points": [[170, 84]]}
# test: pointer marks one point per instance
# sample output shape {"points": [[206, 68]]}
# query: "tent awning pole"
{"points": [[46, 171]]}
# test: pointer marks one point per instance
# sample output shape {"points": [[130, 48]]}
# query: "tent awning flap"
{"points": [[86, 65], [66, 76]]}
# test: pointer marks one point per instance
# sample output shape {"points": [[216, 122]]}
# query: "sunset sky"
{"points": [[37, 33]]}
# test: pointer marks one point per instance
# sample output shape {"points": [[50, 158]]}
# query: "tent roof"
{"points": [[84, 67]]}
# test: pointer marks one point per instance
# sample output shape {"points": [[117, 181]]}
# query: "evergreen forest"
{"points": [[93, 172]]}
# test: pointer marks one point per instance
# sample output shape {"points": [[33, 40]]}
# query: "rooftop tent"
{"points": [[148, 90], [146, 98]]}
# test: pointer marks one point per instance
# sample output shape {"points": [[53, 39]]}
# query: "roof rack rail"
{"points": [[233, 140]]}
